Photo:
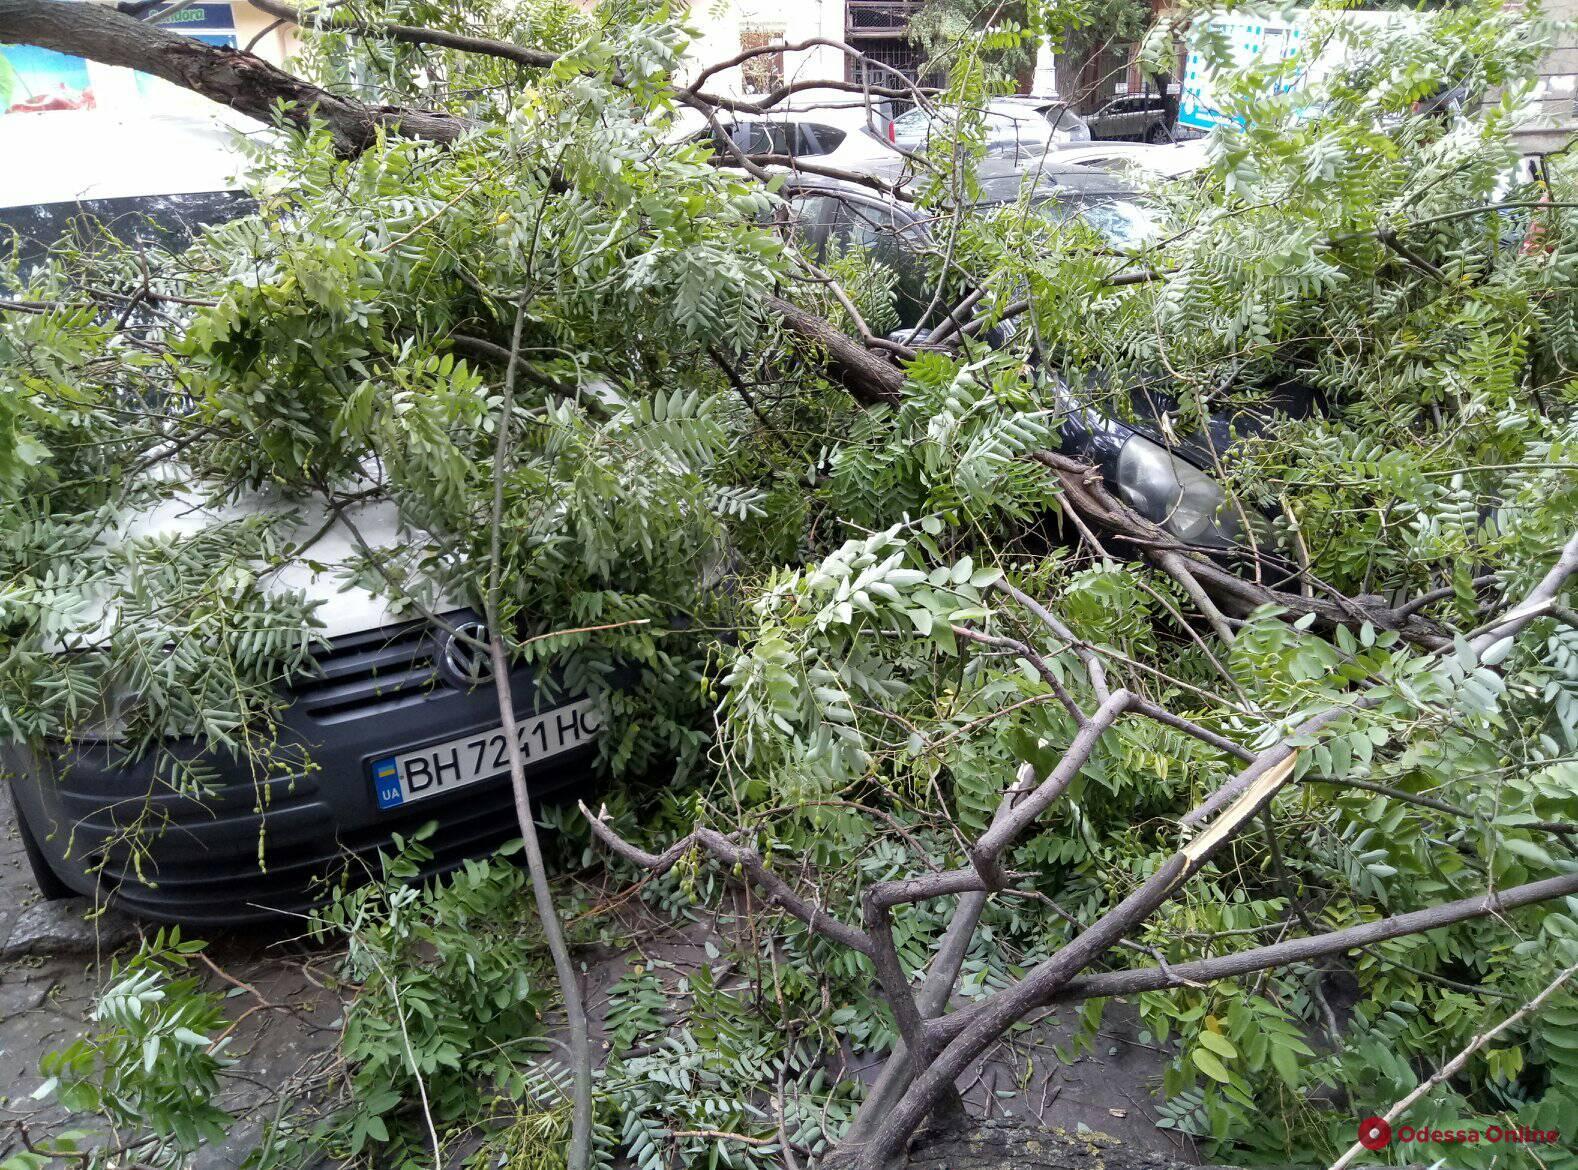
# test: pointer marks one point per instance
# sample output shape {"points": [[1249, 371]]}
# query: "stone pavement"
{"points": [[54, 956], [53, 960]]}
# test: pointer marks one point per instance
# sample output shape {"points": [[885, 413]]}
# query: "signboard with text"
{"points": [[1257, 37]]}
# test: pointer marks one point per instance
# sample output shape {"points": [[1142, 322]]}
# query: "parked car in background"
{"points": [[829, 215], [1137, 160], [1134, 118], [398, 723], [1015, 128], [832, 127]]}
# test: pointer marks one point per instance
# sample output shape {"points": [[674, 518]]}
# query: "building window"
{"points": [[879, 29], [764, 72]]}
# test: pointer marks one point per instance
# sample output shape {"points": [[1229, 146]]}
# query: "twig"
{"points": [[578, 1154], [231, 979]]}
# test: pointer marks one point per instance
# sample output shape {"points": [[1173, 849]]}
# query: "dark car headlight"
{"points": [[1175, 494]]}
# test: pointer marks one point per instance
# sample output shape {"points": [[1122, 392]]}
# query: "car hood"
{"points": [[326, 542]]}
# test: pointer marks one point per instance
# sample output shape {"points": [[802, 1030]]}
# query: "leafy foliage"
{"points": [[806, 604], [150, 1065]]}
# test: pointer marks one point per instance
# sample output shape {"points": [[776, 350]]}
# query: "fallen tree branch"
{"points": [[409, 34], [578, 1149], [1235, 596], [869, 379], [1222, 815], [937, 1051], [779, 891], [1298, 950], [1561, 828]]}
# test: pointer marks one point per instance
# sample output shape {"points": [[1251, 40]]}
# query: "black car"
{"points": [[389, 735]]}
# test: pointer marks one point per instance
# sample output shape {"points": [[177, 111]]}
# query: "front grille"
{"points": [[270, 841], [371, 673]]}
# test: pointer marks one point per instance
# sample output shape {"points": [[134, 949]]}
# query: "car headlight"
{"points": [[1071, 132], [1177, 495]]}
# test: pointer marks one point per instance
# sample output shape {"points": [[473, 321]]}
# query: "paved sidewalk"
{"points": [[54, 962]]}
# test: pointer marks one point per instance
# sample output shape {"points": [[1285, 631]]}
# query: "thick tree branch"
{"points": [[1542, 599], [1298, 950], [1222, 816], [239, 80], [869, 379], [1535, 605]]}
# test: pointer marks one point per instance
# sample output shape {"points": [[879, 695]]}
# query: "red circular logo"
{"points": [[1374, 1133]]}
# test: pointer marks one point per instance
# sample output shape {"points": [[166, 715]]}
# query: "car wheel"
{"points": [[1157, 135], [48, 881]]}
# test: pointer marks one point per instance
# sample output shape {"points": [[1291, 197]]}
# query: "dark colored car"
{"points": [[1138, 118], [156, 220], [390, 734], [398, 725], [1169, 482]]}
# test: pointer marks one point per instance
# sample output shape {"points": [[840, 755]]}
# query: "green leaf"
{"points": [[1217, 1043], [1206, 1062], [1286, 1062], [1527, 850]]}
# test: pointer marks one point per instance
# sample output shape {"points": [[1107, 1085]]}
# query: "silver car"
{"points": [[1016, 128]]}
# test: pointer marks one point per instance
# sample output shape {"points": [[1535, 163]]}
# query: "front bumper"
{"points": [[253, 847]]}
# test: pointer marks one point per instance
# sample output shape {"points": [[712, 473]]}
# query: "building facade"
{"points": [[877, 29], [1553, 118]]}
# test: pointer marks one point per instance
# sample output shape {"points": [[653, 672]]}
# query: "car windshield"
{"points": [[911, 126], [1003, 127], [1123, 221]]}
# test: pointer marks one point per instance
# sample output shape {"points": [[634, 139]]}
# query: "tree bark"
{"points": [[870, 379]]}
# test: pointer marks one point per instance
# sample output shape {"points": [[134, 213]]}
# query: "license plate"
{"points": [[443, 767]]}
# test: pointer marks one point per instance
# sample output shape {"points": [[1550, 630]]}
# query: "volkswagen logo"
{"points": [[463, 654]]}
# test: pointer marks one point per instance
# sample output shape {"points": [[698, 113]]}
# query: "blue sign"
{"points": [[386, 783], [1251, 39], [195, 16]]}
